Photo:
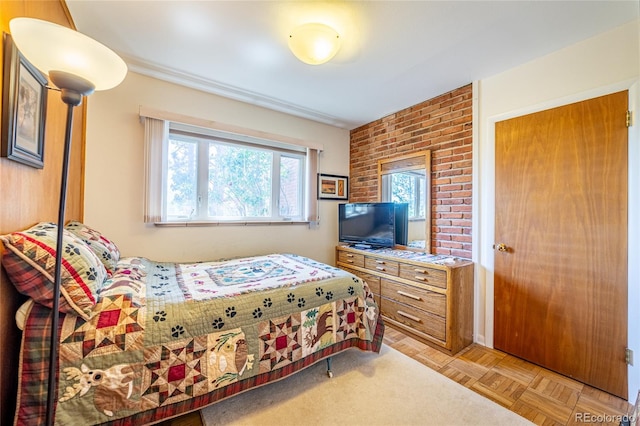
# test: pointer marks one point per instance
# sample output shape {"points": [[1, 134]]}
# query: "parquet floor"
{"points": [[540, 395]]}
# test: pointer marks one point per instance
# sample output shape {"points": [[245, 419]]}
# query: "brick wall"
{"points": [[443, 125]]}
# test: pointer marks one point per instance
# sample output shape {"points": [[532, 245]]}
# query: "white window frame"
{"points": [[202, 141], [158, 125]]}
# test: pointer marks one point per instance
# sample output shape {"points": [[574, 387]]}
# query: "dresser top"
{"points": [[437, 259]]}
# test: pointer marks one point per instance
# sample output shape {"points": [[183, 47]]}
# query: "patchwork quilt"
{"points": [[165, 338]]}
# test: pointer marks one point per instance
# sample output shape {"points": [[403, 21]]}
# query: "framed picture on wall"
{"points": [[333, 187], [24, 106]]}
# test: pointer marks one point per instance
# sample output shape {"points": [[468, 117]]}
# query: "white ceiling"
{"points": [[394, 53]]}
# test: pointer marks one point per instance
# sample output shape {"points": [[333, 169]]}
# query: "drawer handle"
{"points": [[349, 261], [419, 278], [409, 295], [349, 255], [380, 262], [420, 271], [380, 268], [411, 317]]}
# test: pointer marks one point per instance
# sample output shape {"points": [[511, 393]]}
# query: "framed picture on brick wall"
{"points": [[333, 187]]}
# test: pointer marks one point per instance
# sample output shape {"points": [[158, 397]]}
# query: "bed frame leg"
{"points": [[329, 372]]}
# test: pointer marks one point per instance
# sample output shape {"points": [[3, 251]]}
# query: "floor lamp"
{"points": [[77, 65]]}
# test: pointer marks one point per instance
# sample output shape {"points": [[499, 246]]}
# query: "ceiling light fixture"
{"points": [[314, 43]]}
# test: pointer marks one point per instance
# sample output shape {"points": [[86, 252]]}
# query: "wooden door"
{"points": [[560, 282]]}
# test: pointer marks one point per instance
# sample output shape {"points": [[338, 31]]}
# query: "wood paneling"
{"points": [[29, 196]]}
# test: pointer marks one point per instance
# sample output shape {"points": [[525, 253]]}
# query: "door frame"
{"points": [[483, 226]]}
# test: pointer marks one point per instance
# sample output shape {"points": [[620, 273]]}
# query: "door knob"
{"points": [[501, 247]]}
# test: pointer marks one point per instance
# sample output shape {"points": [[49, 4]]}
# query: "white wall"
{"points": [[114, 175], [604, 64]]}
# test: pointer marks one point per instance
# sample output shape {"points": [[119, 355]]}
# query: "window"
{"points": [[409, 187], [218, 179], [203, 175]]}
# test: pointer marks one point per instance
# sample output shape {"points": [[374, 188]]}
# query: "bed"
{"points": [[142, 341]]}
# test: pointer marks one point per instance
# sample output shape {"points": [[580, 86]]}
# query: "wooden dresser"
{"points": [[420, 294]]}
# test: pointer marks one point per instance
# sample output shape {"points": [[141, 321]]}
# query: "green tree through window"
{"points": [[239, 182], [220, 180], [409, 188]]}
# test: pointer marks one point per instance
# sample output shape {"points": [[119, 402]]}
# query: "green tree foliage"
{"points": [[409, 188], [289, 185], [181, 180], [403, 190], [239, 181]]}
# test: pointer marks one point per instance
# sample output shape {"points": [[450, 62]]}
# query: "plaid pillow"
{"points": [[104, 248], [29, 260]]}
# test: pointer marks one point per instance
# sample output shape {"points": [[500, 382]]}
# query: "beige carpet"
{"points": [[366, 389]]}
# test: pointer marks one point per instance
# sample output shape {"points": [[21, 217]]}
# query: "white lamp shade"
{"points": [[51, 47], [314, 43]]}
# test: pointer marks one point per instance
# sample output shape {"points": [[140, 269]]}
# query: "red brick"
{"points": [[450, 188], [444, 126]]}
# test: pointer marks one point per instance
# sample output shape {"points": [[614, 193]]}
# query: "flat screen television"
{"points": [[367, 224]]}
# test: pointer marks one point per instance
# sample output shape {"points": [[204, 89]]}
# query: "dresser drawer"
{"points": [[381, 265], [417, 319], [434, 277], [419, 298], [351, 258]]}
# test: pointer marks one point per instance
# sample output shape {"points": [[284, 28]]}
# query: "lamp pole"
{"points": [[53, 345]]}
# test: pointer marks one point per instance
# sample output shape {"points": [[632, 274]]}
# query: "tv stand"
{"points": [[427, 296]]}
